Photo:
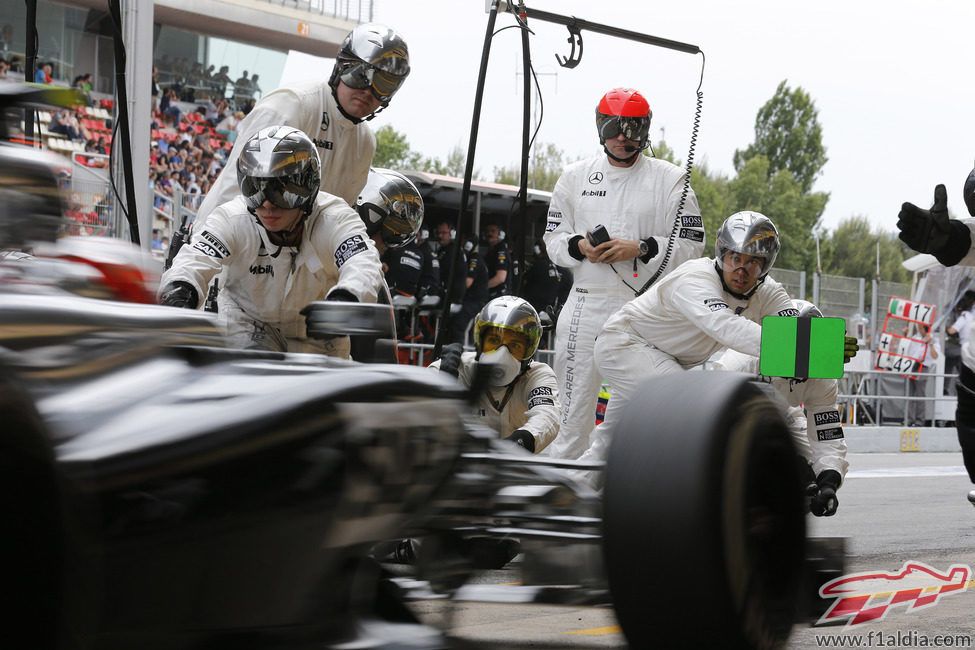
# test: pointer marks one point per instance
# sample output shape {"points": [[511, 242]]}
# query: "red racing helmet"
{"points": [[626, 111], [624, 102]]}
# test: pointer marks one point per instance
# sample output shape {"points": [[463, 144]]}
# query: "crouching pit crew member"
{"points": [[813, 419], [521, 400], [281, 245], [703, 306]]}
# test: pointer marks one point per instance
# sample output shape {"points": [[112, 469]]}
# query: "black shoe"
{"points": [[971, 497]]}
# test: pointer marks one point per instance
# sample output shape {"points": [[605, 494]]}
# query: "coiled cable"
{"points": [[685, 190]]}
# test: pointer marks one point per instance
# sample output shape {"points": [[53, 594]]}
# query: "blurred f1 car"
{"points": [[163, 491]]}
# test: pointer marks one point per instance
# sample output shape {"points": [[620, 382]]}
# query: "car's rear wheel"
{"points": [[703, 520]]}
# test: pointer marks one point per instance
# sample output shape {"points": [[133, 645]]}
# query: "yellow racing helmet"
{"points": [[509, 321]]}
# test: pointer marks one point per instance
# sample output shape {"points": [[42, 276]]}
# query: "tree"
{"points": [[780, 197], [854, 249], [393, 150], [788, 134], [455, 165]]}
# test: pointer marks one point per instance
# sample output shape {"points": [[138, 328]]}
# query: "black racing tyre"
{"points": [[703, 518]]}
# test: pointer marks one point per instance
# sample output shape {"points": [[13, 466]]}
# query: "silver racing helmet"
{"points": [[750, 233], [390, 205], [372, 56], [279, 164]]}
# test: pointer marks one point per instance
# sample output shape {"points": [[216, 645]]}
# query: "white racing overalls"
{"points": [[633, 203], [533, 402], [265, 286], [678, 324], [812, 417]]}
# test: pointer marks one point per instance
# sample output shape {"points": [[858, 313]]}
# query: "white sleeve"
{"points": [[695, 300], [355, 254], [542, 410], [197, 262], [560, 225]]}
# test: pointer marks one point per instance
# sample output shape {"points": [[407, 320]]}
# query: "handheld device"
{"points": [[598, 235]]}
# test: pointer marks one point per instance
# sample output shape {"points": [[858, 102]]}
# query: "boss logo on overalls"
{"points": [[829, 417], [351, 246]]}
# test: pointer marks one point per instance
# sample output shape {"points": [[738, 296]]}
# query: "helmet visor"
{"points": [[282, 192], [399, 228], [633, 128], [519, 343], [359, 75]]}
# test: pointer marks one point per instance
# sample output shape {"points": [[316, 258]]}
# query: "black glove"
{"points": [[179, 294], [450, 359], [824, 502], [342, 295], [850, 348], [523, 438], [926, 231]]}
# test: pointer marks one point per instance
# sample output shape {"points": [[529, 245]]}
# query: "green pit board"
{"points": [[802, 347]]}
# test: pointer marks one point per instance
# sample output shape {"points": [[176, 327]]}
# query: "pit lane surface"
{"points": [[894, 508]]}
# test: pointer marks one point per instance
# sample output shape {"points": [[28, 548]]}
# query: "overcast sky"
{"points": [[892, 81]]}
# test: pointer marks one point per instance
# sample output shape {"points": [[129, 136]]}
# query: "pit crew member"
{"points": [[521, 400], [636, 198], [282, 245]]}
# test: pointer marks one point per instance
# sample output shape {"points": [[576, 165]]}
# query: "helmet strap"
{"points": [[622, 160], [375, 112], [354, 120], [740, 296]]}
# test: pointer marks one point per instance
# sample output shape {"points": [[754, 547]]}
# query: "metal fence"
{"points": [[840, 296], [793, 281], [880, 397]]}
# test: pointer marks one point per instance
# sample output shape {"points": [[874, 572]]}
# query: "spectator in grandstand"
{"points": [[91, 146], [372, 63], [75, 130], [169, 105], [4, 68], [255, 87], [82, 83], [221, 79], [216, 110], [228, 125], [43, 74], [242, 90]]}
